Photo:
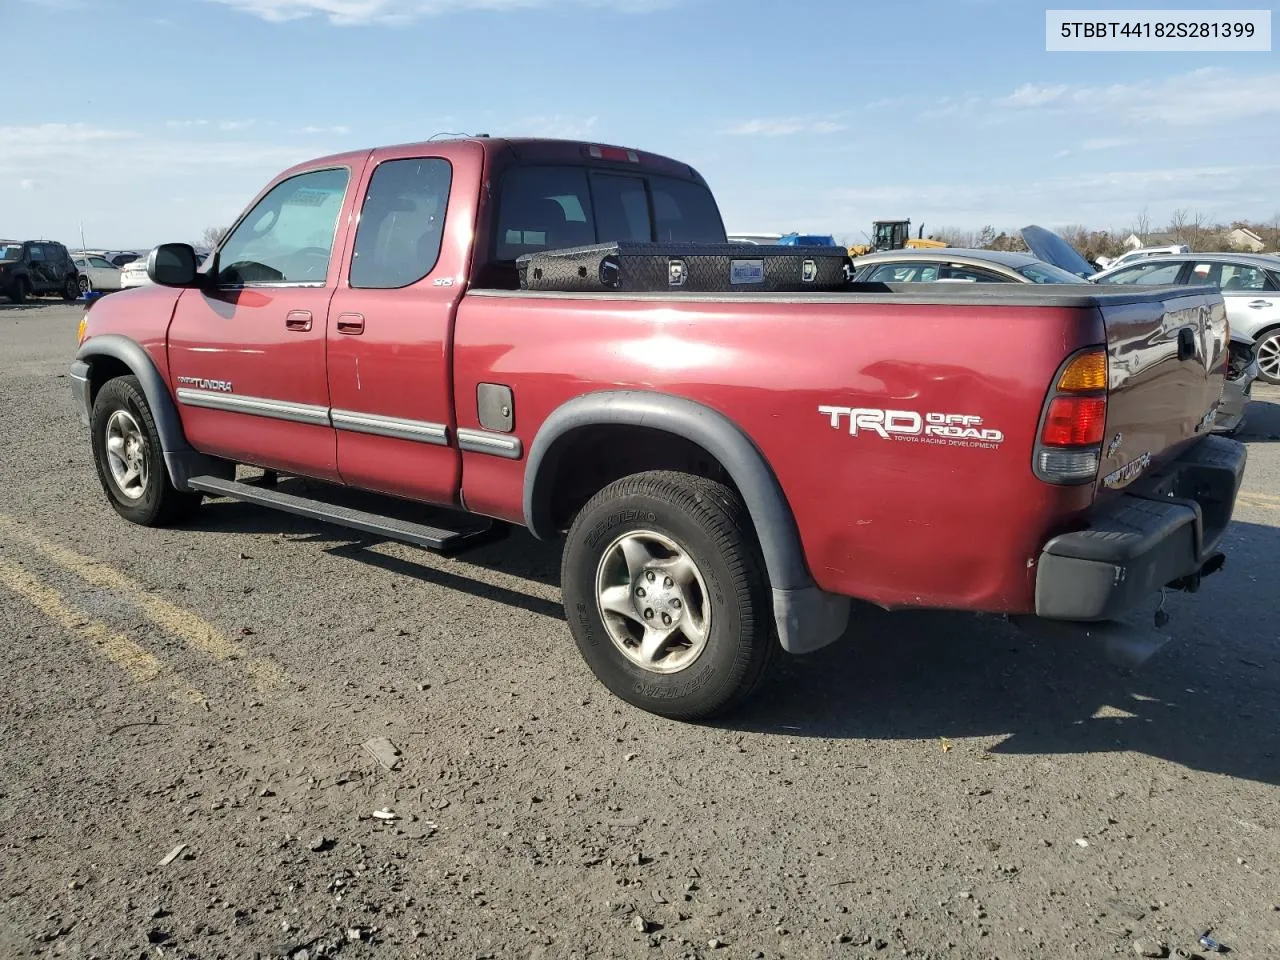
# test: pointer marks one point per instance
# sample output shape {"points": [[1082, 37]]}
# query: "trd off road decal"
{"points": [[939, 429]]}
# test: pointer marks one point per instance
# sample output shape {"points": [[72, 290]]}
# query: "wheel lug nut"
{"points": [[648, 614], [668, 583], [666, 619], [650, 576], [675, 604], [639, 591]]}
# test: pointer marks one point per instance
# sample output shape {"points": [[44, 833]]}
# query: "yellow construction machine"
{"points": [[894, 235]]}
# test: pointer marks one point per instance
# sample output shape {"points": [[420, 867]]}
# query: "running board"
{"points": [[418, 534]]}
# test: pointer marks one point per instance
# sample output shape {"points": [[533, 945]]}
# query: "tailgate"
{"points": [[1167, 356]]}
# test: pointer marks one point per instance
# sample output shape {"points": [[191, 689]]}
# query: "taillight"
{"points": [[1074, 422], [619, 154]]}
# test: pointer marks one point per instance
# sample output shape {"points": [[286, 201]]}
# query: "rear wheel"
{"points": [[128, 457], [71, 289], [19, 291], [666, 596], [1268, 353]]}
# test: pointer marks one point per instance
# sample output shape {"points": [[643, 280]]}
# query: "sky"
{"points": [[151, 120]]}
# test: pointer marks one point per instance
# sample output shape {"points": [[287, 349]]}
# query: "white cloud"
{"points": [[315, 130], [29, 184], [355, 12], [782, 127], [1102, 199], [1034, 95], [1205, 96], [185, 124], [1110, 143], [43, 135], [553, 125]]}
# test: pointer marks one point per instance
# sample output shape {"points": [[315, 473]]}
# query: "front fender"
{"points": [[181, 460]]}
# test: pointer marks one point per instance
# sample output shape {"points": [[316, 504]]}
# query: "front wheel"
{"points": [[18, 292], [71, 289], [1268, 353], [665, 594], [85, 284], [128, 456]]}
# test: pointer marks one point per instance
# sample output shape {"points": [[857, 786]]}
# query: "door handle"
{"points": [[1260, 304], [298, 320], [351, 324]]}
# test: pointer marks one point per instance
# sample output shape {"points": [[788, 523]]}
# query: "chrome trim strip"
{"points": [[423, 431], [255, 406], [75, 376], [495, 444]]}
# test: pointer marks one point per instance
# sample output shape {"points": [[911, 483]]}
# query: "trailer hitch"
{"points": [[1191, 582]]}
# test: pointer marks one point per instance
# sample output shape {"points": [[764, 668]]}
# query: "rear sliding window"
{"points": [[549, 208]]}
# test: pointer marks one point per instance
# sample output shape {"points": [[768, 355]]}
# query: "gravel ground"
{"points": [[183, 770]]}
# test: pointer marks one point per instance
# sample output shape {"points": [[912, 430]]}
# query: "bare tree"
{"points": [[1142, 225], [212, 236]]}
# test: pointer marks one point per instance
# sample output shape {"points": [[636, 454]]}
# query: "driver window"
{"points": [[288, 236]]}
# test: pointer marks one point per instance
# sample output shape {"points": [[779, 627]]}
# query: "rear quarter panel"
{"points": [[897, 521]]}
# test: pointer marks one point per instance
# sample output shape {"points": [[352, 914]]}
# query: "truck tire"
{"points": [[127, 454], [18, 292], [666, 595], [71, 289]]}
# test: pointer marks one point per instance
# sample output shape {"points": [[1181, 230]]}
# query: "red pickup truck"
{"points": [[729, 470]]}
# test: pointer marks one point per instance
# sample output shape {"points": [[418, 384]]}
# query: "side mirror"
{"points": [[173, 265]]}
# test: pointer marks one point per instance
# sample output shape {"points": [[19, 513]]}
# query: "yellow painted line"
{"points": [[140, 665], [1252, 502], [192, 630], [1263, 497]]}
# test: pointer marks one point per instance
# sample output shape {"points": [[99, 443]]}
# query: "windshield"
{"points": [[10, 251], [1048, 273]]}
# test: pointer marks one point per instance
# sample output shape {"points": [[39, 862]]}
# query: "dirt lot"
{"points": [[182, 772]]}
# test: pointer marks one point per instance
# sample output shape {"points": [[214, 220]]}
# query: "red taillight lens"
{"points": [[1075, 422]]}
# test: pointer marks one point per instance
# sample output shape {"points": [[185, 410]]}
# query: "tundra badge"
{"points": [[223, 385]]}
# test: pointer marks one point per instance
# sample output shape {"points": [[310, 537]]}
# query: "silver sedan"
{"points": [[954, 265]]}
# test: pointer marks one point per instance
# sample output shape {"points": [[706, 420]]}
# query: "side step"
{"points": [[418, 534]]}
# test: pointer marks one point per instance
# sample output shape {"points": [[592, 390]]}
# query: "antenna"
{"points": [[435, 136]]}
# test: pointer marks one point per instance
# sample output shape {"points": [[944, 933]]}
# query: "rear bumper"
{"points": [[1163, 532]]}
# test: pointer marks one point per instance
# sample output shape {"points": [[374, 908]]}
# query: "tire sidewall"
{"points": [[711, 679], [121, 394]]}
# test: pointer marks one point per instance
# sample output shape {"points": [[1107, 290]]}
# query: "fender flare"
{"points": [[806, 616], [163, 409], [181, 460]]}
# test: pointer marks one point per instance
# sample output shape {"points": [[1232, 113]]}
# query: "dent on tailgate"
{"points": [[1158, 401]]}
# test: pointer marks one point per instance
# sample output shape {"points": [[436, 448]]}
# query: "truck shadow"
{"points": [[1207, 701], [1262, 419]]}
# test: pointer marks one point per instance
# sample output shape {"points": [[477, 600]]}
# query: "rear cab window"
{"points": [[554, 206]]}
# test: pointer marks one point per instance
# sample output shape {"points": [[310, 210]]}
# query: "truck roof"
{"points": [[528, 150]]}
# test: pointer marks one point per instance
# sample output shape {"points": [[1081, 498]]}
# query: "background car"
{"points": [[1140, 254], [1237, 388], [1250, 285], [134, 272], [954, 265], [37, 268], [97, 273]]}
